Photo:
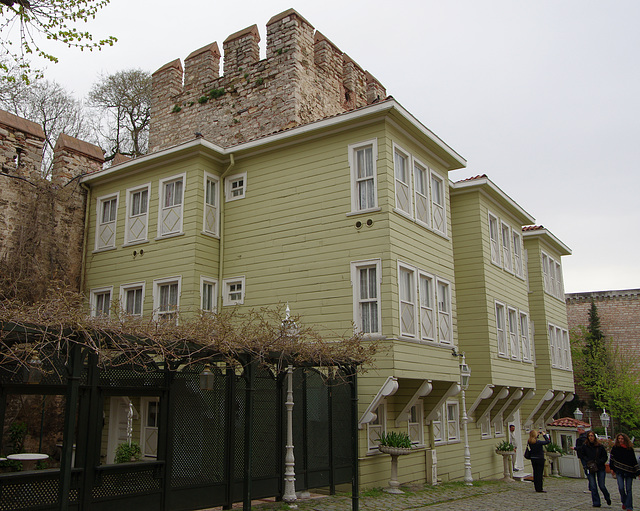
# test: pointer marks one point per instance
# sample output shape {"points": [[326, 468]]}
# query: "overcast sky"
{"points": [[543, 96]]}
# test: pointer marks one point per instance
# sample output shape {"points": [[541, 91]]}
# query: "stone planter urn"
{"points": [[507, 469], [553, 459], [394, 452]]}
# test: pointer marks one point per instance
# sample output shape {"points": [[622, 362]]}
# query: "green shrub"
{"points": [[126, 453], [17, 434], [553, 448], [505, 446], [395, 439]]}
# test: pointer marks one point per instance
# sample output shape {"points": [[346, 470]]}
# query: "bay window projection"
{"points": [[402, 180]]}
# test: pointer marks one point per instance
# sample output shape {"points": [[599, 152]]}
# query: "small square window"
{"points": [[233, 291], [236, 186]]}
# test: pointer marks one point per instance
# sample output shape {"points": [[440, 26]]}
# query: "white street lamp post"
{"points": [[604, 419], [465, 374], [290, 329]]}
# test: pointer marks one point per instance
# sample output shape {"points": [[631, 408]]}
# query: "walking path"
{"points": [[562, 494]]}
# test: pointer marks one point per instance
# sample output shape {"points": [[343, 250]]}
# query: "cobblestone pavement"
{"points": [[562, 494]]}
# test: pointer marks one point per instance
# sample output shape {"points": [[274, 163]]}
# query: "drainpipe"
{"points": [[232, 163], [85, 236]]}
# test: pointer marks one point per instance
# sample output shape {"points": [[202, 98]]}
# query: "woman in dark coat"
{"points": [[624, 467], [537, 456], [595, 456]]}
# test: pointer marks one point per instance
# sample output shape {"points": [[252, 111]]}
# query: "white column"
{"points": [[289, 460]]}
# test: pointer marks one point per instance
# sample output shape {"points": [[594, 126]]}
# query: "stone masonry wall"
{"points": [[41, 221], [304, 78]]}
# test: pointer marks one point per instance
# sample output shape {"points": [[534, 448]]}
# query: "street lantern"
{"points": [[604, 419], [206, 378], [33, 373], [465, 374], [578, 414]]}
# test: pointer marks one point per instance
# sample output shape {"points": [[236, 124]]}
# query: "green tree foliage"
{"points": [[25, 22], [611, 376], [123, 110]]}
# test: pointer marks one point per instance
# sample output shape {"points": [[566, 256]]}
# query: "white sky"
{"points": [[541, 96]]}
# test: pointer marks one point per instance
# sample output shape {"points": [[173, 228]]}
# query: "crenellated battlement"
{"points": [[304, 77]]}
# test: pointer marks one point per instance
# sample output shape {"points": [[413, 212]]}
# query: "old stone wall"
{"points": [[303, 78], [41, 221]]}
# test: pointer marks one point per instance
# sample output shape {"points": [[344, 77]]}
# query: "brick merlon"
{"points": [[371, 79], [253, 29], [319, 37], [79, 146], [347, 59], [288, 12], [213, 48], [174, 64], [20, 124]]}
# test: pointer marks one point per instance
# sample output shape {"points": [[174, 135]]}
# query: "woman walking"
{"points": [[537, 456], [624, 467], [594, 456]]}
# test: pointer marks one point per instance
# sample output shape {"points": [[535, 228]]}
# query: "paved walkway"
{"points": [[562, 494]]}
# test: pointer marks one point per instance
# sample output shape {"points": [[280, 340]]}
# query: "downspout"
{"points": [[85, 236], [232, 163]]}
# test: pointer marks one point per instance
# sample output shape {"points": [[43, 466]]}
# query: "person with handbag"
{"points": [[535, 453], [595, 457], [624, 467]]}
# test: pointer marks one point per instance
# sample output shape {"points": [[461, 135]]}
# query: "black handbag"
{"points": [[527, 453]]}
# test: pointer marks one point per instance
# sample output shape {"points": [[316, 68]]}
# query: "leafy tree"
{"points": [[123, 105], [51, 19], [50, 105]]}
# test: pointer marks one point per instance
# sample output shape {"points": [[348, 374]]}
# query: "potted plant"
{"points": [[505, 447], [395, 443], [126, 452]]}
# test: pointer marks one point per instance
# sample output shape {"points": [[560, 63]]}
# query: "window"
{"points": [[376, 427], [107, 208], [513, 333], [402, 180], [421, 193], [365, 279], [166, 298], [362, 161], [235, 186], [233, 291], [406, 283], [171, 211], [485, 427], [101, 301], [567, 349], [211, 211], [506, 247], [498, 425], [495, 241], [415, 429], [500, 326], [518, 266], [559, 291], [553, 346], [453, 423], [208, 294], [524, 337], [545, 273], [445, 328], [137, 215], [436, 427], [131, 298], [438, 209], [427, 310]]}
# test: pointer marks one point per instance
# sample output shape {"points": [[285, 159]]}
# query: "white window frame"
{"points": [[138, 219], [227, 290], [551, 331], [377, 427], [94, 298], [144, 425], [518, 261], [485, 427], [559, 288], [359, 301], [525, 336], [428, 307], [438, 209], [501, 329], [407, 301], [453, 422], [415, 427], [567, 347], [498, 426], [357, 181], [207, 281], [494, 239], [505, 241], [514, 338], [546, 273], [445, 312], [211, 207], [233, 192], [123, 296], [403, 189], [106, 230], [437, 427], [158, 284], [165, 230], [422, 204]]}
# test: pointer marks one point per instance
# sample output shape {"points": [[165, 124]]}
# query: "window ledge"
{"points": [[403, 213], [210, 235], [133, 243], [434, 344], [172, 235], [106, 249], [364, 211]]}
